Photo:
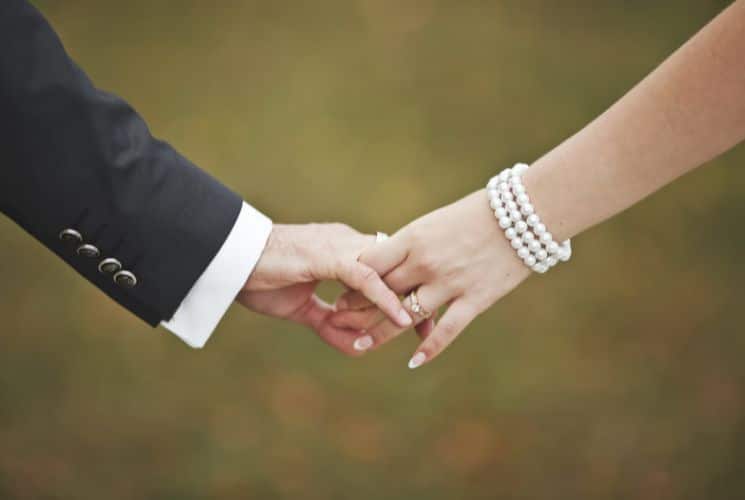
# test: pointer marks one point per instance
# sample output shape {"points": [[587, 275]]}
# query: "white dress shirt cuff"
{"points": [[216, 289]]}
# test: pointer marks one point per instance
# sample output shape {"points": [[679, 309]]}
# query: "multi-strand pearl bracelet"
{"points": [[534, 244]]}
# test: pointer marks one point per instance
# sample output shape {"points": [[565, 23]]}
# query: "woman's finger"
{"points": [[430, 297], [424, 329], [352, 300], [401, 280], [453, 322], [405, 277], [386, 255], [361, 319], [365, 279], [341, 339], [315, 314]]}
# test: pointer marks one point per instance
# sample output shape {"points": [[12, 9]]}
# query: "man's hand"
{"points": [[296, 259]]}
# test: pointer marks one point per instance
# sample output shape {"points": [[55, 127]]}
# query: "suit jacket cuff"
{"points": [[209, 299]]}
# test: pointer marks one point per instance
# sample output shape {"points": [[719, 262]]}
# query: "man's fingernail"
{"points": [[363, 343], [404, 317], [417, 360]]}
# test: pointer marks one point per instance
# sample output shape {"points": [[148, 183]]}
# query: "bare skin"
{"points": [[686, 112], [296, 259]]}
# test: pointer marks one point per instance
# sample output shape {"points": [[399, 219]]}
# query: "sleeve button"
{"points": [[88, 250], [71, 236], [109, 266], [125, 279]]}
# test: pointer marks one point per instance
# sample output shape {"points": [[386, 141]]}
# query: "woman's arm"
{"points": [[687, 111]]}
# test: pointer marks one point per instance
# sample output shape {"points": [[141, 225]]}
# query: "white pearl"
{"points": [[510, 233], [534, 246], [541, 254], [515, 180], [527, 209], [492, 193], [539, 229], [521, 226], [519, 189], [492, 183], [533, 219], [516, 215], [505, 222], [520, 168], [507, 197], [516, 243], [540, 268], [504, 187], [564, 254], [547, 238], [494, 203], [523, 198], [529, 260], [528, 236], [504, 176], [552, 247], [500, 212], [511, 205], [523, 252], [552, 261]]}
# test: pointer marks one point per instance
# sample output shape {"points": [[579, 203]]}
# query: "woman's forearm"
{"points": [[686, 112]]}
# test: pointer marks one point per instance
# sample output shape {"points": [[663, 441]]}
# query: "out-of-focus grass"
{"points": [[618, 376]]}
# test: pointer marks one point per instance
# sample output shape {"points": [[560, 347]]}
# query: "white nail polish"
{"points": [[417, 360], [363, 343]]}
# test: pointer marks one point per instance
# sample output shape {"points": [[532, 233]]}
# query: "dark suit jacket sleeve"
{"points": [[75, 157]]}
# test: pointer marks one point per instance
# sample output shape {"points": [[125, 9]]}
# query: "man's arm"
{"points": [[78, 161], [81, 173]]}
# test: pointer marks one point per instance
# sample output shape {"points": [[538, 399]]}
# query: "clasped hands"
{"points": [[454, 256]]}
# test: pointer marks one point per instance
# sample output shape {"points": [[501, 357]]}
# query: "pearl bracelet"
{"points": [[534, 244]]}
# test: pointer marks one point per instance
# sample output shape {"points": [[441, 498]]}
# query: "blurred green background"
{"points": [[618, 376]]}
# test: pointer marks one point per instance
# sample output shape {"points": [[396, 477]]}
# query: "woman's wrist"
{"points": [[550, 195], [522, 225], [573, 193]]}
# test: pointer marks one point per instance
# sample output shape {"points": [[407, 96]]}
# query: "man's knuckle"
{"points": [[343, 228], [416, 238], [368, 274], [351, 270]]}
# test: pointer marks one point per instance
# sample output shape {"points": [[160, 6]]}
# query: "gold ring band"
{"points": [[416, 307]]}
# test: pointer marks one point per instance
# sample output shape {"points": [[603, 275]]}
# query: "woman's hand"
{"points": [[455, 256], [296, 259]]}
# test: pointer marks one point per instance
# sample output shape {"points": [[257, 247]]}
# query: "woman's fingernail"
{"points": [[363, 343], [417, 360], [404, 317]]}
